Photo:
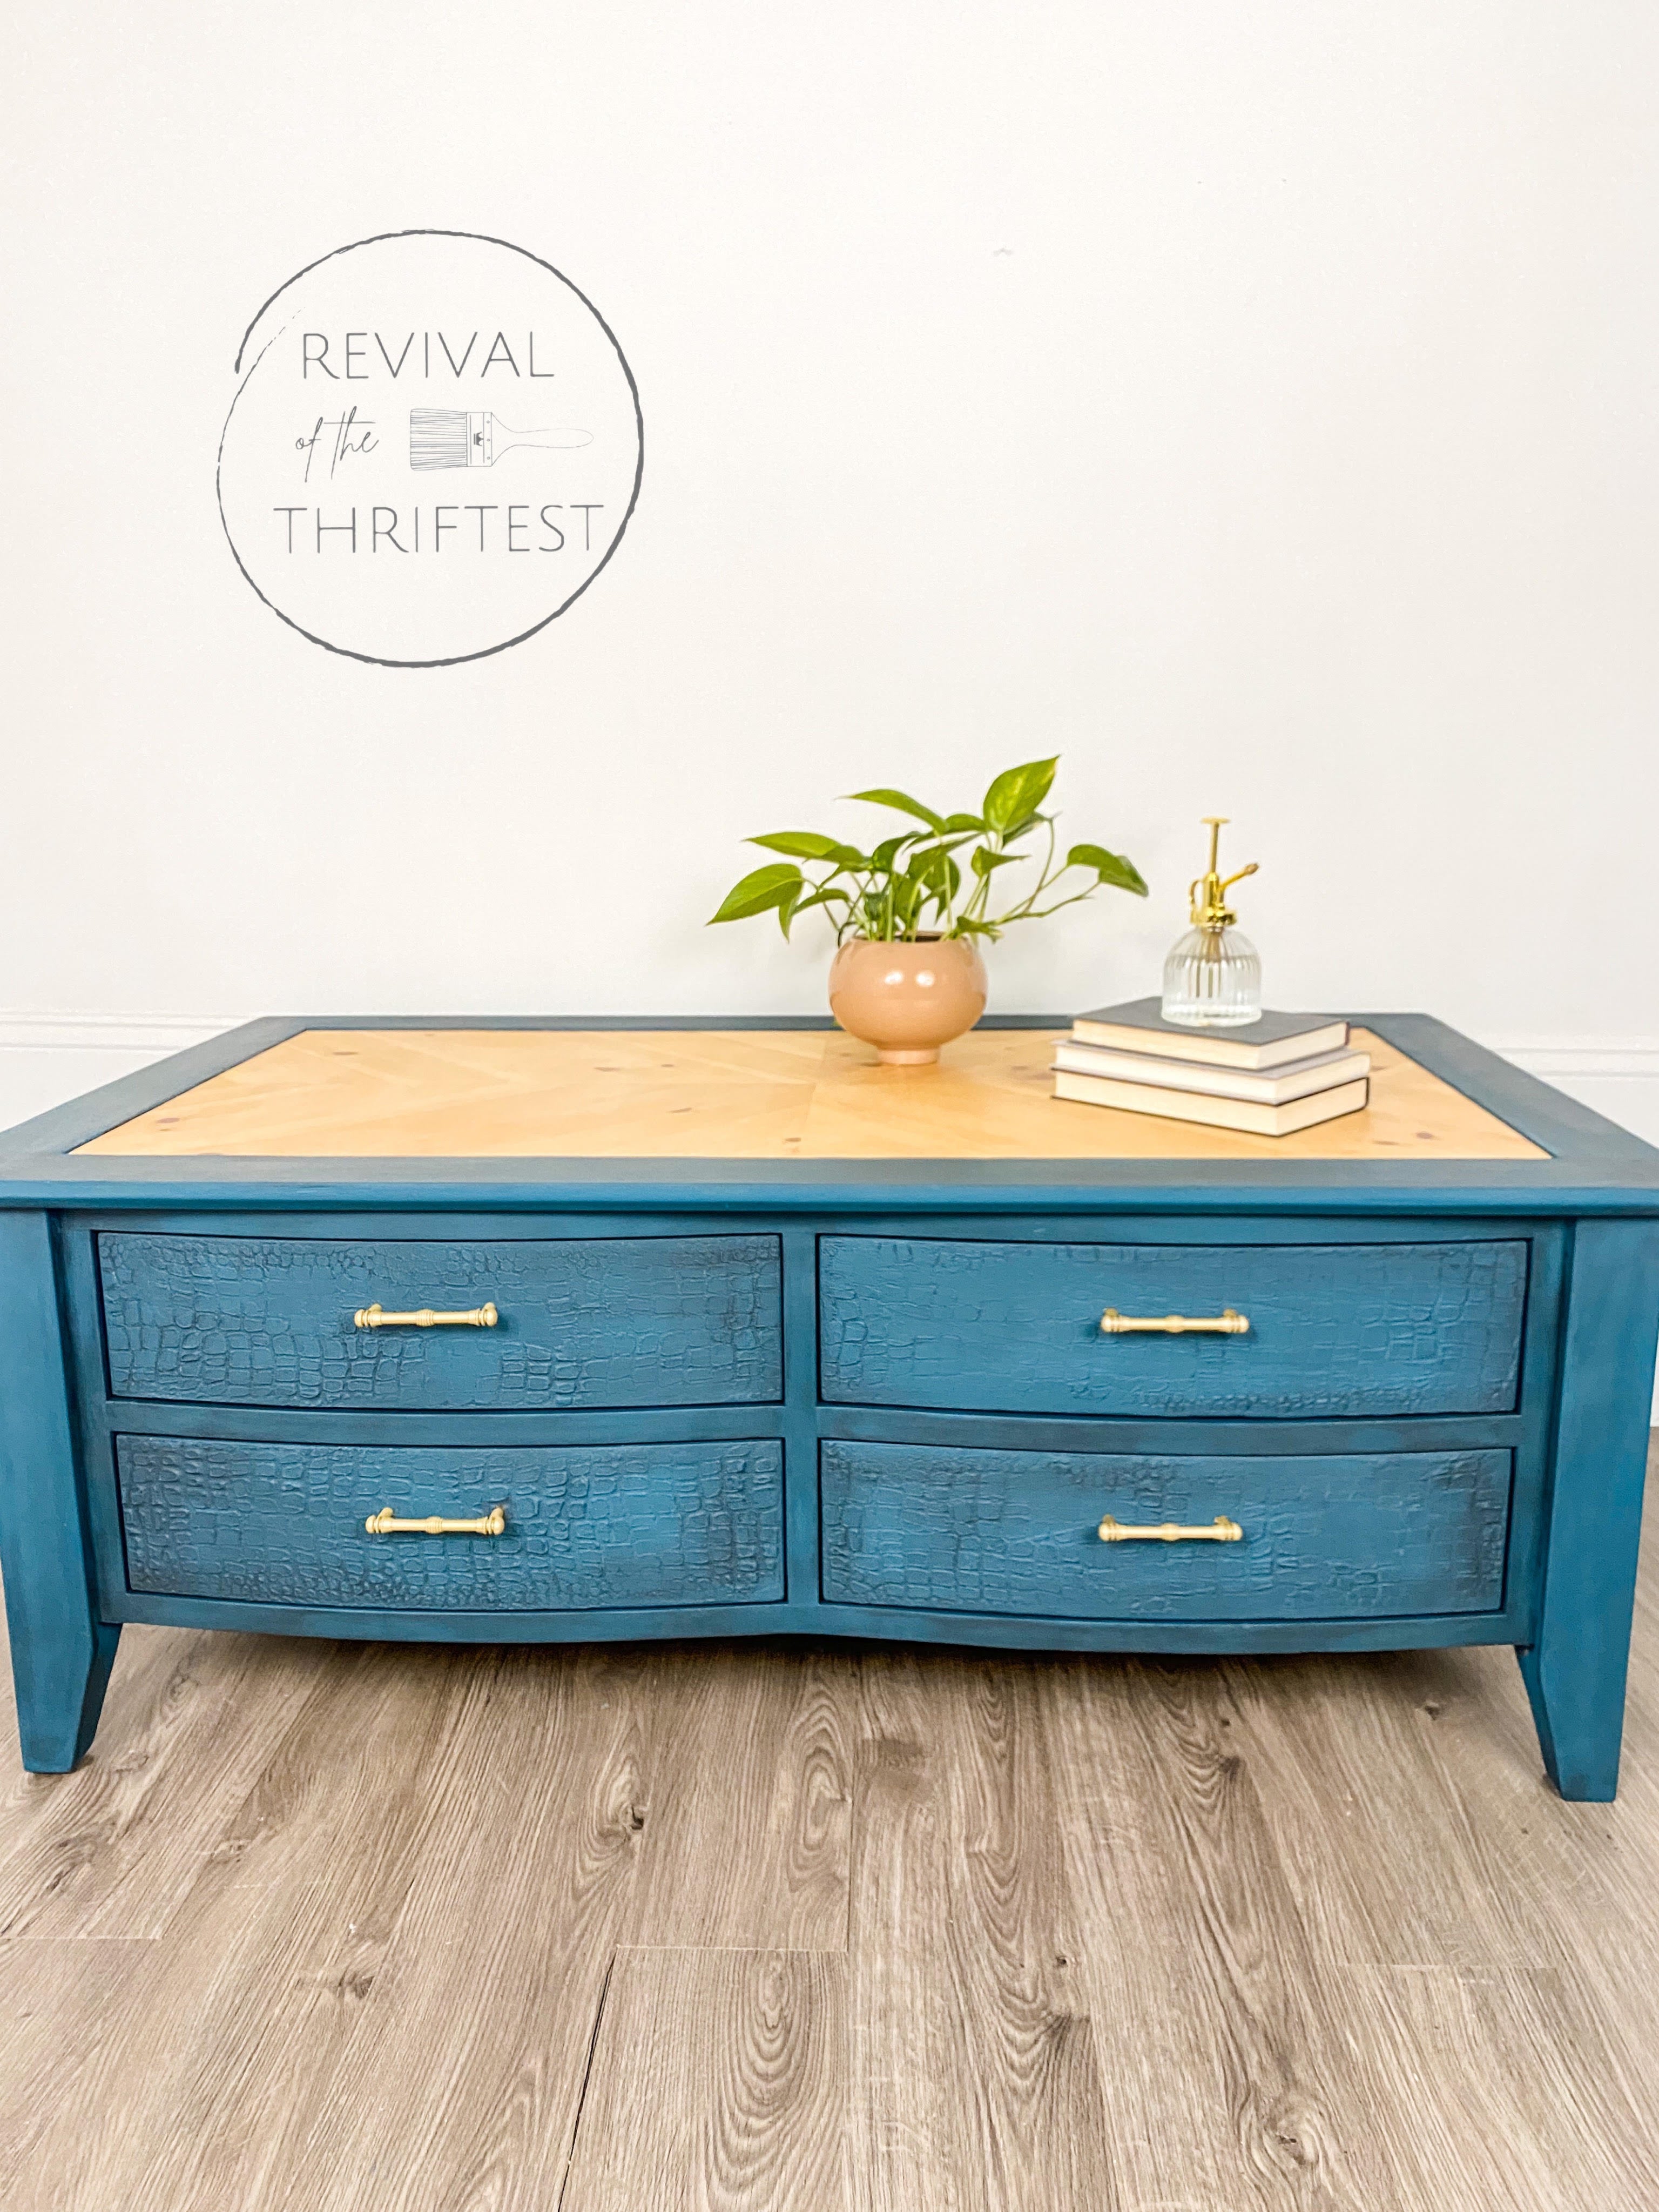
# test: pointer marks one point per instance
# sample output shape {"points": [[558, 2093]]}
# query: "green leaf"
{"points": [[886, 853], [819, 898], [788, 904], [1109, 867], [757, 893], [902, 803], [808, 845], [964, 821], [1019, 792], [966, 927], [984, 861], [938, 873]]}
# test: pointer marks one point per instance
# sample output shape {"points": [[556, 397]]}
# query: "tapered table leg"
{"points": [[1574, 1670], [61, 1651]]}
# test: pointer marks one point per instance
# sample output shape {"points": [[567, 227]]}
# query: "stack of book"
{"points": [[1271, 1077]]}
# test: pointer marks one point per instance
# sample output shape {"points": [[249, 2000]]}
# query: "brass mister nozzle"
{"points": [[1208, 892]]}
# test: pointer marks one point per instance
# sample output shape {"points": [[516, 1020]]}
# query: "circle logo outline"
{"points": [[484, 653]]}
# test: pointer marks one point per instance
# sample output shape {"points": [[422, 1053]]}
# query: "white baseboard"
{"points": [[145, 1036], [1581, 1056], [1617, 1077]]}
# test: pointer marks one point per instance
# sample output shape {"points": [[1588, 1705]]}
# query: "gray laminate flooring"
{"points": [[376, 1929]]}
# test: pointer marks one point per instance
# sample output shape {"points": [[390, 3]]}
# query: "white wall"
{"points": [[1252, 402]]}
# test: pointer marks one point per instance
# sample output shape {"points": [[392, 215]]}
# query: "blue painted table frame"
{"points": [[1578, 1433]]}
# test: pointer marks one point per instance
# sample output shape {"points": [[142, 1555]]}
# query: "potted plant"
{"points": [[908, 976]]}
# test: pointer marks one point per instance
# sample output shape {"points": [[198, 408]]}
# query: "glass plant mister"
{"points": [[1212, 978]]}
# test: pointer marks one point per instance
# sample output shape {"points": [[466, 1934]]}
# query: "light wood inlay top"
{"points": [[738, 1094]]}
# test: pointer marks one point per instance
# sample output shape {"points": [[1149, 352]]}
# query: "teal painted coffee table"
{"points": [[555, 1331]]}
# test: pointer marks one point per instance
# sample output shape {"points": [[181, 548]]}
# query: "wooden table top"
{"points": [[738, 1094]]}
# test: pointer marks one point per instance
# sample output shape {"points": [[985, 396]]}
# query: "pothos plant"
{"points": [[943, 879]]}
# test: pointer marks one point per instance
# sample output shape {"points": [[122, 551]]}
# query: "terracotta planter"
{"points": [[907, 998]]}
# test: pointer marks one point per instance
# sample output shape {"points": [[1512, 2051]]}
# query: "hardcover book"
{"points": [[1219, 1113], [1298, 1078], [1270, 1042]]}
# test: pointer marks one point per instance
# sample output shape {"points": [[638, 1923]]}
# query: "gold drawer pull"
{"points": [[386, 1524], [1228, 1322], [374, 1318], [1221, 1530]]}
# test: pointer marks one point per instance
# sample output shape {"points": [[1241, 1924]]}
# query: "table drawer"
{"points": [[617, 1525], [1353, 1536], [1334, 1329], [603, 1322]]}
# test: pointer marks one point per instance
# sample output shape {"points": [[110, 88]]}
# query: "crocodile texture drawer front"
{"points": [[605, 1322], [1357, 1537], [607, 1525], [1334, 1329]]}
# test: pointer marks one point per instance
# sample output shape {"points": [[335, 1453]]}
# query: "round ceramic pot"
{"points": [[907, 998]]}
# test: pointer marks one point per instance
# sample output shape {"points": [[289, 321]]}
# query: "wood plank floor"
{"points": [[372, 1928]]}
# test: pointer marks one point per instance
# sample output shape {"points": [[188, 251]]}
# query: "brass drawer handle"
{"points": [[1221, 1530], [386, 1524], [374, 1318], [1228, 1322]]}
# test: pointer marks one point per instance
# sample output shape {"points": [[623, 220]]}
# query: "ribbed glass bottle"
{"points": [[1212, 980]]}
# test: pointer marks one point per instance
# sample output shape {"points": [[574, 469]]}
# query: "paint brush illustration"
{"points": [[449, 438]]}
